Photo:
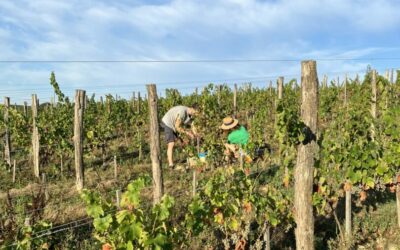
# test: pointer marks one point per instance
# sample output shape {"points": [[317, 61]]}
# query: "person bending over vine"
{"points": [[173, 123]]}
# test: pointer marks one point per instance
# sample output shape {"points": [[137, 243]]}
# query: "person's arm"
{"points": [[231, 149], [180, 129], [194, 129]]}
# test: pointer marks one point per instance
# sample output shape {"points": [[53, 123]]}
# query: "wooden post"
{"points": [[140, 145], [348, 216], [118, 198], [219, 94], [235, 100], [78, 137], [25, 109], [306, 153], [61, 164], [280, 96], [27, 222], [194, 183], [241, 160], [115, 168], [374, 94], [46, 192], [7, 140], [133, 100], [86, 102], [280, 87], [267, 237], [196, 92], [398, 200], [325, 81], [35, 137], [373, 103], [138, 103], [270, 88], [155, 144], [391, 76], [13, 176], [108, 104]]}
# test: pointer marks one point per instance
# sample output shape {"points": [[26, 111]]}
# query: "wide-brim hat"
{"points": [[228, 123]]}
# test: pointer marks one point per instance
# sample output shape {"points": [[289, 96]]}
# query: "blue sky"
{"points": [[187, 30]]}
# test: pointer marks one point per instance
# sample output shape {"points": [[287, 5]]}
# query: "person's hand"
{"points": [[227, 152], [185, 142], [191, 135]]}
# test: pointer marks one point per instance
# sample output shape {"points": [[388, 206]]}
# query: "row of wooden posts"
{"points": [[84, 99]]}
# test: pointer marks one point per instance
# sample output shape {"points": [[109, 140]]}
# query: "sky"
{"points": [[121, 32]]}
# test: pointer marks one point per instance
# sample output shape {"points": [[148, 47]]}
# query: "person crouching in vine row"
{"points": [[237, 138]]}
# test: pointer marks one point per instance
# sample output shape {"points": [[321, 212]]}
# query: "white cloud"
{"points": [[183, 29]]}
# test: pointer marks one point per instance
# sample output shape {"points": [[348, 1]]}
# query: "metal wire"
{"points": [[247, 60]]}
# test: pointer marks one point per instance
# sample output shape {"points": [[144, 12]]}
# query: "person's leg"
{"points": [[170, 138], [230, 148], [170, 152]]}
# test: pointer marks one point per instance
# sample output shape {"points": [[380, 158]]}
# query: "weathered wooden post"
{"points": [[373, 103], [25, 109], [267, 237], [391, 76], [138, 103], [108, 104], [280, 96], [348, 216], [27, 222], [357, 80], [325, 81], [115, 168], [61, 164], [398, 199], [13, 173], [280, 87], [80, 96], [133, 100], [306, 153], [194, 183], [155, 153], [44, 185], [270, 88], [140, 149], [7, 140], [118, 198], [35, 137], [219, 90]]}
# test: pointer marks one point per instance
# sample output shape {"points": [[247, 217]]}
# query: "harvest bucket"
{"points": [[202, 156]]}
